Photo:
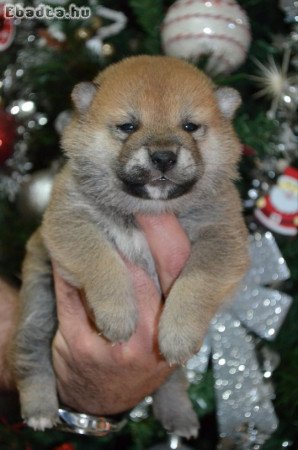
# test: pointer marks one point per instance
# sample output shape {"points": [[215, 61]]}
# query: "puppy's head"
{"points": [[149, 132]]}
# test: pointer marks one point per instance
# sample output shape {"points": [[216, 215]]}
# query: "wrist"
{"points": [[81, 423]]}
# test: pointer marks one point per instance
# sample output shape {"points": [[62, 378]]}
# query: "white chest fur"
{"points": [[131, 243]]}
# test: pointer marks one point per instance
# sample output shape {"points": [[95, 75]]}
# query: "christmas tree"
{"points": [[41, 59]]}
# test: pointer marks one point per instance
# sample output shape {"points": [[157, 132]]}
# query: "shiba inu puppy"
{"points": [[149, 135]]}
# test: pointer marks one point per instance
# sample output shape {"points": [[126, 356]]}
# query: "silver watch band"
{"points": [[80, 423]]}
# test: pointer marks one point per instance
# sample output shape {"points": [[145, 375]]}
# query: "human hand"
{"points": [[8, 318], [93, 375]]}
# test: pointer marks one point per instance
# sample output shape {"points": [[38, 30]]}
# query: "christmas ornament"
{"points": [[278, 211], [65, 446], [220, 29], [17, 85], [277, 84], [7, 30], [243, 391], [35, 193], [7, 135]]}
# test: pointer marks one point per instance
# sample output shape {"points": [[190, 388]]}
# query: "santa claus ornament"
{"points": [[7, 30], [278, 211]]}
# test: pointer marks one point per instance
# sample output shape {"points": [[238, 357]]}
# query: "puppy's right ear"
{"points": [[82, 96]]}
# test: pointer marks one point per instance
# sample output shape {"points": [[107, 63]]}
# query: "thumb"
{"points": [[169, 245]]}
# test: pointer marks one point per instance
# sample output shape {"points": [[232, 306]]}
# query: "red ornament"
{"points": [[248, 151], [7, 30], [7, 135], [65, 446], [278, 211]]}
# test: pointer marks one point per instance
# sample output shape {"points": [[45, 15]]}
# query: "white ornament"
{"points": [[35, 194], [218, 28]]}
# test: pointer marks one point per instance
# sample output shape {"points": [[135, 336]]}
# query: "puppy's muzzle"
{"points": [[163, 160]]}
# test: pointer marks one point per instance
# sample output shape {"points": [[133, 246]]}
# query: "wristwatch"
{"points": [[81, 423]]}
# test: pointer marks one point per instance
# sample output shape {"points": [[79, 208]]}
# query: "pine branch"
{"points": [[149, 15]]}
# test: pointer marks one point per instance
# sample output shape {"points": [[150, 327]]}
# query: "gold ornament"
{"points": [[274, 81], [108, 50], [83, 34]]}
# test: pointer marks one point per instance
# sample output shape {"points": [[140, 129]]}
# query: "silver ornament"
{"points": [[35, 193]]}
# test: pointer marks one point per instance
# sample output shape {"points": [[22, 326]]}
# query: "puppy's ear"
{"points": [[82, 96], [228, 101]]}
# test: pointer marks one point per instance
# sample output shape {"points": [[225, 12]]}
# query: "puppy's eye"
{"points": [[127, 127], [191, 127]]}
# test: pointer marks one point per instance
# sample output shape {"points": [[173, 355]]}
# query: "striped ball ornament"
{"points": [[217, 28]]}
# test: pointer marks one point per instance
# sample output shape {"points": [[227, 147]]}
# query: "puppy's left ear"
{"points": [[228, 101], [82, 96]]}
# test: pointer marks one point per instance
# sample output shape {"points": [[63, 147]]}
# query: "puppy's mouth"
{"points": [[159, 188], [161, 182]]}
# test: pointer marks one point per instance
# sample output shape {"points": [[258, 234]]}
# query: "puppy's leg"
{"points": [[173, 408], [81, 249], [32, 345], [217, 263]]}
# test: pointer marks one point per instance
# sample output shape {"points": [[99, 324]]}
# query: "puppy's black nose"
{"points": [[164, 160]]}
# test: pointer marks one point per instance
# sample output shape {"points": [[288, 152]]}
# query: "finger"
{"points": [[149, 308], [169, 244]]}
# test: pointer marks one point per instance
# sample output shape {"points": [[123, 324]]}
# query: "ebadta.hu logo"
{"points": [[19, 11]]}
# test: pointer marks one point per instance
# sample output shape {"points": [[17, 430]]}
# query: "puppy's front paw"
{"points": [[117, 321], [114, 310], [39, 403]]}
